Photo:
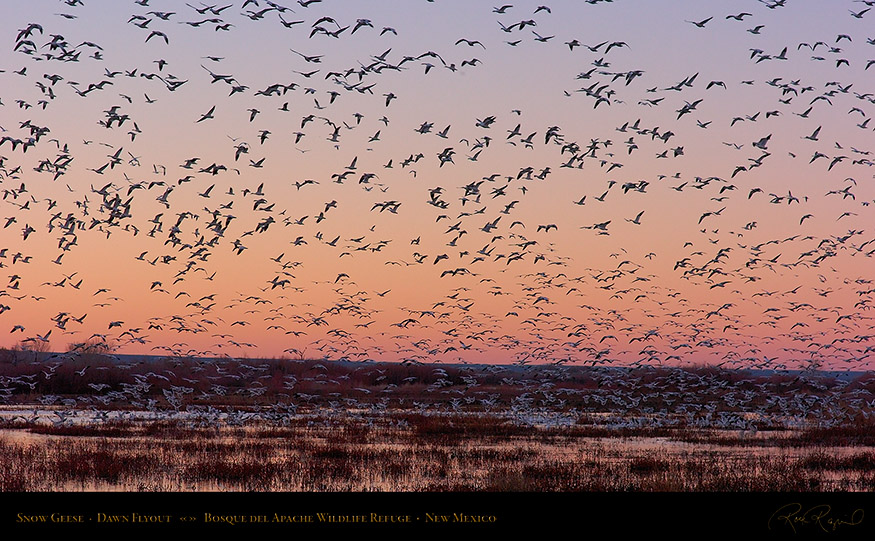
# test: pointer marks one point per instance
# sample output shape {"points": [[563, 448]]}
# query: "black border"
{"points": [[764, 515]]}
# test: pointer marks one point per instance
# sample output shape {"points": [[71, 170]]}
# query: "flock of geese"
{"points": [[447, 182], [207, 392]]}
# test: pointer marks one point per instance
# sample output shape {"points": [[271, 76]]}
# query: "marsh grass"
{"points": [[315, 425], [412, 452]]}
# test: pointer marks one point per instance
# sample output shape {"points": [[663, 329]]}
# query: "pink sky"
{"points": [[723, 222]]}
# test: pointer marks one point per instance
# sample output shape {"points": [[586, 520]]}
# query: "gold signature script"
{"points": [[795, 515]]}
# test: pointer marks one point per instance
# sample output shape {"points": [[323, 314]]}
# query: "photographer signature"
{"points": [[794, 515]]}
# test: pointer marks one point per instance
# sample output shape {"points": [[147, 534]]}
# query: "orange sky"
{"points": [[686, 207]]}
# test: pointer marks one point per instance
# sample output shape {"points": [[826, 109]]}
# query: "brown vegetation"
{"points": [[105, 423], [412, 452]]}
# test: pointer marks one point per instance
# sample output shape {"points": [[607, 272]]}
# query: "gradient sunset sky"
{"points": [[601, 182]]}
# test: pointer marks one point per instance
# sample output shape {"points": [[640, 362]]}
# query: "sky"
{"points": [[605, 183]]}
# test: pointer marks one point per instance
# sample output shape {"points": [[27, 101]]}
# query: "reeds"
{"points": [[315, 425], [425, 453]]}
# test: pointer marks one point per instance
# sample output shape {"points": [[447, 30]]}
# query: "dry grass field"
{"points": [[177, 425]]}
